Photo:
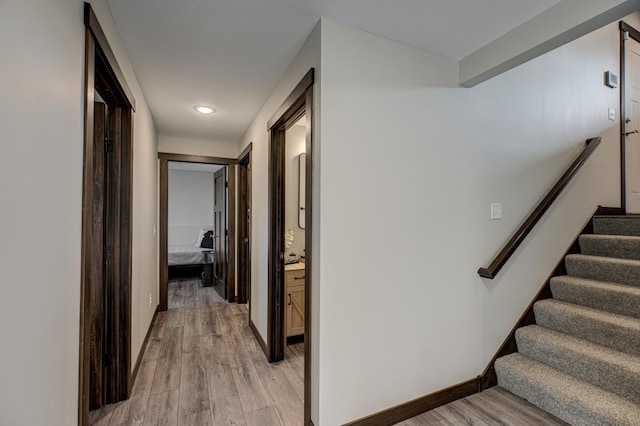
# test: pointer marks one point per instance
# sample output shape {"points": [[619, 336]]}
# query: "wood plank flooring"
{"points": [[494, 407], [203, 366]]}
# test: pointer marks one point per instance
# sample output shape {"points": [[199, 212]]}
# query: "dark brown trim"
{"points": [[418, 406], [87, 236], [624, 28], [275, 291], [245, 153], [308, 248], [164, 159], [295, 96], [243, 247], [134, 374], [231, 241], [298, 103], [534, 217], [91, 22], [102, 71], [635, 35], [183, 158], [163, 256], [488, 377], [259, 338], [609, 211]]}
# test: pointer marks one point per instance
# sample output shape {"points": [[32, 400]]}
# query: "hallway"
{"points": [[203, 366]]}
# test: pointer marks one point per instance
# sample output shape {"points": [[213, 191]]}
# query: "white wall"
{"points": [[295, 144], [308, 57], [42, 44], [190, 146], [190, 203], [408, 168]]}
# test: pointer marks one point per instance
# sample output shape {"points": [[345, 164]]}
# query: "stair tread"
{"points": [[620, 299], [617, 246], [563, 395], [616, 331], [608, 368], [604, 259], [611, 269], [631, 238]]}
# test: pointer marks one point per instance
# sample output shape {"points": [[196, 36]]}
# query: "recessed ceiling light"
{"points": [[204, 109]]}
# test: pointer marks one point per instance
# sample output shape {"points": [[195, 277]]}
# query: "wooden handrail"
{"points": [[534, 217]]}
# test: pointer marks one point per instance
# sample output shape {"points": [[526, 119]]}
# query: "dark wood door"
{"points": [[96, 287], [108, 340], [220, 234], [244, 229]]}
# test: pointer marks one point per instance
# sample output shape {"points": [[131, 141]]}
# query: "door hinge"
{"points": [[108, 145], [226, 184], [625, 35], [226, 232]]}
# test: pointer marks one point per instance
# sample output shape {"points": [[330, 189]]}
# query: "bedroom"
{"points": [[196, 208]]}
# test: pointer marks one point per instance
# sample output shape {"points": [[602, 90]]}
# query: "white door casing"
{"points": [[632, 124]]}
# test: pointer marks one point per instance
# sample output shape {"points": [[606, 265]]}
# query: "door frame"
{"points": [[243, 278], [299, 102], [626, 30], [163, 262], [100, 63], [219, 265]]}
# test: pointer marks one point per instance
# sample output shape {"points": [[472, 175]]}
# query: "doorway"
{"points": [[630, 116], [298, 104], [220, 233], [105, 314], [230, 257], [244, 227]]}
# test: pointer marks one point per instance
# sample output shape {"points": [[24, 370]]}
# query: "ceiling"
{"points": [[229, 54]]}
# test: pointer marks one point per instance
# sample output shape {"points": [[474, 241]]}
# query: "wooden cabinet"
{"points": [[294, 299]]}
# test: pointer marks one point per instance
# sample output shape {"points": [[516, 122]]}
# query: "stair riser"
{"points": [[611, 371], [606, 246], [616, 225], [602, 331], [602, 269], [614, 299]]}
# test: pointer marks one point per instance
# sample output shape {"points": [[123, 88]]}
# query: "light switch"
{"points": [[612, 114], [496, 211]]}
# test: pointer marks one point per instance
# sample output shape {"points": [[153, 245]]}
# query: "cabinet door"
{"points": [[295, 309]]}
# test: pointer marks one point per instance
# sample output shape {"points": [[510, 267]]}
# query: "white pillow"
{"points": [[201, 236]]}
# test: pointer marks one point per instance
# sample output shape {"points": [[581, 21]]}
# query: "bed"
{"points": [[186, 244]]}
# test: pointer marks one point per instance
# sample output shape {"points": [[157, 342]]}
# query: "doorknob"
{"points": [[631, 132]]}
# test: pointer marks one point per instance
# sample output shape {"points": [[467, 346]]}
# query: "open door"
{"points": [[244, 227], [105, 312], [220, 232], [632, 124]]}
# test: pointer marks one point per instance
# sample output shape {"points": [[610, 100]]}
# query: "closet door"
{"points": [[220, 232]]}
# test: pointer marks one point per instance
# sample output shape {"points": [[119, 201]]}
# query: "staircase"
{"points": [[581, 360]]}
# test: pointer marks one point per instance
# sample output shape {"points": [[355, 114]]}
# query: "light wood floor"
{"points": [[203, 366], [494, 406]]}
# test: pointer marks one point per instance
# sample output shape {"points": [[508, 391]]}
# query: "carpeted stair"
{"points": [[581, 360]]}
